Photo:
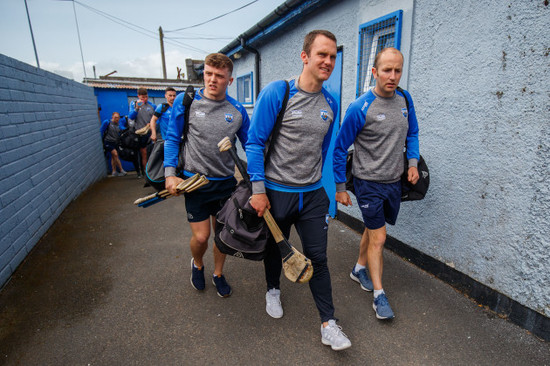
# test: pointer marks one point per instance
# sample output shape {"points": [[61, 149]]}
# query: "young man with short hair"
{"points": [[213, 115], [379, 124], [162, 114], [141, 112], [289, 183]]}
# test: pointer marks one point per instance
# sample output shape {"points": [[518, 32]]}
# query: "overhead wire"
{"points": [[215, 18], [153, 35], [136, 28]]}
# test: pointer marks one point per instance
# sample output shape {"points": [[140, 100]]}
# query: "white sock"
{"points": [[358, 267], [378, 293]]}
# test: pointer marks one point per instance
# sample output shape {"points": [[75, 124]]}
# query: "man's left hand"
{"points": [[412, 175]]}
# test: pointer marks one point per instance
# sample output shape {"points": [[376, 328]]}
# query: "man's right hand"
{"points": [[260, 203], [171, 185], [154, 135], [343, 198]]}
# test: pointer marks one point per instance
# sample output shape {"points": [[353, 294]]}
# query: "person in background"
{"points": [[110, 130], [141, 112], [162, 115]]}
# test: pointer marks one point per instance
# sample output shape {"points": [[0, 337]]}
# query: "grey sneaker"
{"points": [[273, 303], [332, 336]]}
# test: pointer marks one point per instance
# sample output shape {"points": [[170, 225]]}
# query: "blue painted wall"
{"points": [[47, 124]]}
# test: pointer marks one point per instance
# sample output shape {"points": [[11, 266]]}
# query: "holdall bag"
{"points": [[129, 139], [410, 192], [349, 176], [126, 153], [239, 231]]}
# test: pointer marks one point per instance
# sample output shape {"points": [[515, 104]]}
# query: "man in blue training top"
{"points": [[289, 183], [141, 111], [213, 115], [162, 115], [379, 124], [110, 130]]}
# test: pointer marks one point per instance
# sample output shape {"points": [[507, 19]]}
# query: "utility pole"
{"points": [[79, 42], [161, 36], [32, 35]]}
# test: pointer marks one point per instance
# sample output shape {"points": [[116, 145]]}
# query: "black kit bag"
{"points": [[126, 153], [239, 230], [154, 170], [349, 176], [129, 139], [410, 192]]}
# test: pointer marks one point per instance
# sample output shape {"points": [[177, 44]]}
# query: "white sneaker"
{"points": [[123, 172], [332, 336], [273, 303]]}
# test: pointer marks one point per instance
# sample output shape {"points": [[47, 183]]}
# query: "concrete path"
{"points": [[109, 285]]}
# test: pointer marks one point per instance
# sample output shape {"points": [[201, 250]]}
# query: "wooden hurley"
{"points": [[188, 185], [296, 266]]}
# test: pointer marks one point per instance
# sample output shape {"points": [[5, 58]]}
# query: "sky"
{"points": [[122, 35]]}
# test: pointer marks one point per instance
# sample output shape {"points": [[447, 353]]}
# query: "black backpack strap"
{"points": [[400, 89], [187, 100], [165, 107], [278, 123]]}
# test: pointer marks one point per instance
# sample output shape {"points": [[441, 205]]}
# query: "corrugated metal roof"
{"points": [[133, 83]]}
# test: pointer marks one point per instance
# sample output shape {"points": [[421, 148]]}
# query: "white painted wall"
{"points": [[478, 72]]}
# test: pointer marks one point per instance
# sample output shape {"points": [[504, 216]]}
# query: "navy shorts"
{"points": [[109, 146], [143, 140], [379, 202], [208, 200]]}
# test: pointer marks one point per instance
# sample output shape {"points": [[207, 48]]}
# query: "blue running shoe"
{"points": [[197, 277], [223, 288], [382, 307], [362, 277]]}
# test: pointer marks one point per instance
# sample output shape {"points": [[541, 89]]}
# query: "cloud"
{"points": [[147, 66]]}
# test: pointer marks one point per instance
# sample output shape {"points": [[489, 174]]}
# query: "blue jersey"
{"points": [[298, 154], [379, 128], [163, 118]]}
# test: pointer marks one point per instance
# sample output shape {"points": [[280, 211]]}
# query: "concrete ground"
{"points": [[109, 285]]}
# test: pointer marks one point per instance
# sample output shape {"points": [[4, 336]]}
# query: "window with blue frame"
{"points": [[244, 89], [373, 37]]}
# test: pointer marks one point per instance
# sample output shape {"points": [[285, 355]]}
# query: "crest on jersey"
{"points": [[229, 117], [324, 114], [404, 111]]}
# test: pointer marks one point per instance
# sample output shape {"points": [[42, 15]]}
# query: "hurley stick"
{"points": [[296, 266], [188, 185]]}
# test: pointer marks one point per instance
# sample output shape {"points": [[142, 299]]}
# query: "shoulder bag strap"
{"points": [[278, 123]]}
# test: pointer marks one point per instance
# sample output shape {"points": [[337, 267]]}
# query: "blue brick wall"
{"points": [[50, 151]]}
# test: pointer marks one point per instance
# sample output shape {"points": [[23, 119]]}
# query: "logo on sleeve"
{"points": [[229, 117], [324, 114], [404, 111]]}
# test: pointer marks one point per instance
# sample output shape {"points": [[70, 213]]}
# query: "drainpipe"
{"points": [[256, 64]]}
